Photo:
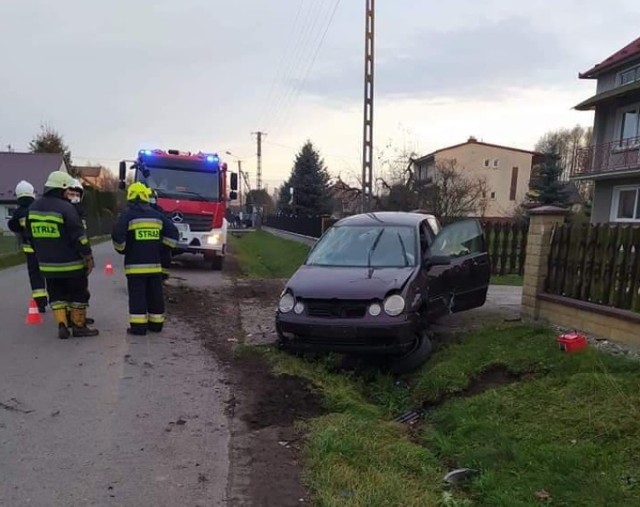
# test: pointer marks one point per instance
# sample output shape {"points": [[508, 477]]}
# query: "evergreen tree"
{"points": [[310, 182], [546, 185], [50, 141]]}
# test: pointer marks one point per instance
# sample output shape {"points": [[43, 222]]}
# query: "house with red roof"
{"points": [[612, 163]]}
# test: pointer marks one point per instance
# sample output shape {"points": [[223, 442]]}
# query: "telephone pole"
{"points": [[367, 137], [259, 153]]}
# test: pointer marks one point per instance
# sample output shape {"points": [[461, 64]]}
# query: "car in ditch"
{"points": [[374, 282]]}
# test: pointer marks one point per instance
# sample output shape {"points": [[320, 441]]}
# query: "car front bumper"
{"points": [[374, 335]]}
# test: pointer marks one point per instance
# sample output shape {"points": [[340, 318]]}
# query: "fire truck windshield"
{"points": [[183, 184]]}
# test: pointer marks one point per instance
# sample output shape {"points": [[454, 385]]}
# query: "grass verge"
{"points": [[512, 280], [263, 255], [555, 428]]}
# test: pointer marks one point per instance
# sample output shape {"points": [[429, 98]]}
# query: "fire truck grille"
{"points": [[199, 223]]}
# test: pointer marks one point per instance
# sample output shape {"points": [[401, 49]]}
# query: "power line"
{"points": [[299, 61], [311, 64], [280, 68]]}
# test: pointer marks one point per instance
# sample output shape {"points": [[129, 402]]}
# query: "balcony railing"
{"points": [[608, 157]]}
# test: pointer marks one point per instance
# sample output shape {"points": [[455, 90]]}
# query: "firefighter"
{"points": [[76, 196], [166, 251], [26, 195], [64, 254], [139, 235]]}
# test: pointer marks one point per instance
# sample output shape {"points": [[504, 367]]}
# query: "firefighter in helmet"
{"points": [[139, 234], [76, 196], [26, 195], [56, 233], [166, 251]]}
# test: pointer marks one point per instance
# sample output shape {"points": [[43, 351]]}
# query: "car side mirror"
{"points": [[437, 260], [122, 185], [123, 170], [233, 181], [233, 195]]}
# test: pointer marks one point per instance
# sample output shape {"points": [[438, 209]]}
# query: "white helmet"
{"points": [[25, 189], [76, 185]]}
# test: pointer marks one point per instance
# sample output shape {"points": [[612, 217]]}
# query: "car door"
{"points": [[433, 280], [469, 273]]}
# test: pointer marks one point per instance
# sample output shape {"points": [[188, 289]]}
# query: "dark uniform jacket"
{"points": [[55, 231], [18, 221], [140, 234]]}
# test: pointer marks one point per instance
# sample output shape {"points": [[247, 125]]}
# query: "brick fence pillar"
{"points": [[537, 260]]}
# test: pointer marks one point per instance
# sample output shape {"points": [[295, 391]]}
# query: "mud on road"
{"points": [[266, 447]]}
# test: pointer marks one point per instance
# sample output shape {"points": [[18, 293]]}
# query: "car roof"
{"points": [[385, 218]]}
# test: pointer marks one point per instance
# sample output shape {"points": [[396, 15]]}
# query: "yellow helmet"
{"points": [[138, 192], [59, 179]]}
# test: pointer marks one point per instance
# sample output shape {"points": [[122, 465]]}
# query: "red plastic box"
{"points": [[572, 342]]}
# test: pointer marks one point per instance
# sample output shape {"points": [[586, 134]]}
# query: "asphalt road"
{"points": [[111, 420]]}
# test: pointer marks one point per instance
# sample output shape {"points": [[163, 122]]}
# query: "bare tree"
{"points": [[454, 194], [566, 142]]}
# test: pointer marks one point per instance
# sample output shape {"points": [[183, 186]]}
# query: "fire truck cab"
{"points": [[192, 192]]}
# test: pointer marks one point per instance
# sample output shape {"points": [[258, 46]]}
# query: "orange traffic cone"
{"points": [[33, 315], [108, 269]]}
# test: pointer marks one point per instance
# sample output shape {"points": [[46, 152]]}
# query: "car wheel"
{"points": [[415, 357]]}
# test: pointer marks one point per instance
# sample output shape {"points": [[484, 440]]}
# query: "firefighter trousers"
{"points": [[146, 303], [37, 281], [70, 292]]}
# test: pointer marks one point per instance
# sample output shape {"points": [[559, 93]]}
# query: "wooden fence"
{"points": [[596, 263], [507, 245]]}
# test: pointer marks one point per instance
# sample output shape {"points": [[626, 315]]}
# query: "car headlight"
{"points": [[214, 239], [286, 304], [394, 305], [375, 309]]}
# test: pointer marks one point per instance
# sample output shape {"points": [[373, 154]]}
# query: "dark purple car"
{"points": [[374, 282]]}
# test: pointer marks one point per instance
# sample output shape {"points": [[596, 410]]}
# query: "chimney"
{"points": [[472, 140]]}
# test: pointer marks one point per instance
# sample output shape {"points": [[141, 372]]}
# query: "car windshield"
{"points": [[183, 184], [377, 246]]}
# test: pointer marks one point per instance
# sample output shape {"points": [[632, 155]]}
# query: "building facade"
{"points": [[505, 170], [612, 162]]}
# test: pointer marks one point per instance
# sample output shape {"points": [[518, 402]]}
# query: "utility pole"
{"points": [[240, 178], [367, 137], [259, 153]]}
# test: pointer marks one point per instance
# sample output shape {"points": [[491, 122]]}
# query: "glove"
{"points": [[89, 263]]}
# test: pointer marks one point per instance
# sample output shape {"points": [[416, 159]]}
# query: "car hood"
{"points": [[318, 282]]}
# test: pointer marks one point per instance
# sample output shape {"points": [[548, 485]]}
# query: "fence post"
{"points": [[537, 259]]}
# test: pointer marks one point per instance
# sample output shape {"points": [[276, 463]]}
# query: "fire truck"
{"points": [[192, 192]]}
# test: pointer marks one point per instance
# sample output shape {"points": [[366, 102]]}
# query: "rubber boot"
{"points": [[88, 320], [79, 324], [60, 316]]}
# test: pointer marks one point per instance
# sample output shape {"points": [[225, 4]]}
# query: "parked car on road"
{"points": [[374, 282]]}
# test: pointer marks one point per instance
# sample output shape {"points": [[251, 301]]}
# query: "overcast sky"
{"points": [[117, 76]]}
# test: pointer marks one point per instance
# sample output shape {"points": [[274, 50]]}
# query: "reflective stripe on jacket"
{"points": [[55, 232], [141, 234]]}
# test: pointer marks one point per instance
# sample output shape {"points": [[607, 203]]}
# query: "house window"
{"points": [[487, 162], [496, 163], [629, 124], [8, 212], [625, 206], [493, 195], [629, 76]]}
